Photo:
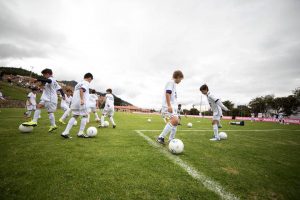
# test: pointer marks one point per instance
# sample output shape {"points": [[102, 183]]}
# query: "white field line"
{"points": [[199, 176], [243, 130]]}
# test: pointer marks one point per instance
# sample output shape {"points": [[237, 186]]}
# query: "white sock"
{"points": [[173, 133], [52, 119], [112, 120], [102, 120], [88, 118], [83, 123], [36, 115], [96, 116], [28, 113], [216, 130], [166, 130], [66, 114], [69, 126]]}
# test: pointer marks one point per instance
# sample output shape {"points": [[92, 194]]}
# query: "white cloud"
{"points": [[240, 49]]}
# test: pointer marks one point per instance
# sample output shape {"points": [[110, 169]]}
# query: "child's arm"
{"points": [[222, 105], [81, 96], [168, 99]]}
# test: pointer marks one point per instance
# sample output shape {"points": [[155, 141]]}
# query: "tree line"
{"points": [[268, 105]]}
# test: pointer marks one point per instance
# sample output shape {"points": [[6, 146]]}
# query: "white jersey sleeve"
{"points": [[171, 89]]}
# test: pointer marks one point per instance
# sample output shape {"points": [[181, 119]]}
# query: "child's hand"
{"points": [[81, 102], [170, 109]]}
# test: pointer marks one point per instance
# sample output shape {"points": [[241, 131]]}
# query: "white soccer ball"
{"points": [[92, 131], [149, 120], [176, 146], [106, 124], [25, 129], [189, 125], [223, 135]]}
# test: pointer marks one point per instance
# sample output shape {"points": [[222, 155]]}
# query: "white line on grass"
{"points": [[242, 130], [206, 181]]}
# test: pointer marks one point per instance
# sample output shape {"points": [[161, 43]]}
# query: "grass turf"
{"points": [[119, 164]]}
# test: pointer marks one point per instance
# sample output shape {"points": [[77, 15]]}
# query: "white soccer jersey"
{"points": [[170, 88], [32, 98], [93, 100], [85, 85], [66, 102], [215, 104], [50, 91], [109, 102]]}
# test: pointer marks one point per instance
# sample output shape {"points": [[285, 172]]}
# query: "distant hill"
{"points": [[17, 71], [18, 93]]}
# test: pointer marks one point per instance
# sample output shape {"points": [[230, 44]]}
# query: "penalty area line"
{"points": [[207, 182]]}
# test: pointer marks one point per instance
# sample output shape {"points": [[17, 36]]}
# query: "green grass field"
{"points": [[258, 161]]}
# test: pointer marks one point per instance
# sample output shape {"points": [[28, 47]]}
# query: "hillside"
{"points": [[16, 92]]}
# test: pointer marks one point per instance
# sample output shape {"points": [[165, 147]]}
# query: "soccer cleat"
{"points": [[114, 126], [160, 140], [52, 128], [97, 120], [214, 139], [100, 126], [81, 134], [62, 121], [66, 136], [31, 123], [220, 126]]}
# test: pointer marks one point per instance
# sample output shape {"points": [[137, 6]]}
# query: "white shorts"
{"points": [[50, 106], [92, 109], [64, 107], [108, 112], [82, 111], [31, 107], [167, 115], [217, 117]]}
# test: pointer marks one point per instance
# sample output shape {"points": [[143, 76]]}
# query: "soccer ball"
{"points": [[91, 131], [176, 146], [106, 124], [25, 129], [189, 125], [149, 120], [223, 135]]}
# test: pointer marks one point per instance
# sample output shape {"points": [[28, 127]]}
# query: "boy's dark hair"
{"points": [[109, 90], [34, 89], [93, 91], [88, 75], [47, 71], [178, 74], [204, 87]]}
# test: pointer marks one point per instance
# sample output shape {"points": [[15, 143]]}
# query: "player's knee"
{"points": [[174, 121]]}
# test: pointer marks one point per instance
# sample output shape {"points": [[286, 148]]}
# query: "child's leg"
{"points": [[37, 112], [96, 116], [70, 125], [216, 129], [82, 125], [52, 118], [102, 120], [66, 114], [174, 121], [166, 130]]}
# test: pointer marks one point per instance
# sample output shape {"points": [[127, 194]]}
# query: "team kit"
{"points": [[82, 102]]}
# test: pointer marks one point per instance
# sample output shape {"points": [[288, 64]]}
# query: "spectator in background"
{"points": [[1, 97]]}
